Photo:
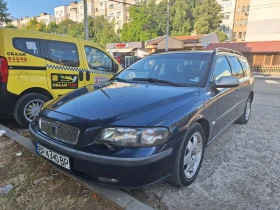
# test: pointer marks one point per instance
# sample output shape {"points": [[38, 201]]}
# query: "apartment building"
{"points": [[60, 13], [46, 18], [242, 12], [264, 21], [228, 11]]}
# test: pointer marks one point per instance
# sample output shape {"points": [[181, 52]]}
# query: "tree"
{"points": [[64, 25], [181, 17], [52, 28], [4, 12], [101, 31], [207, 16], [222, 36], [76, 30], [9, 25], [142, 26], [35, 25]]}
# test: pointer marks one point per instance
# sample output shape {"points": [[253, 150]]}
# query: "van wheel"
{"points": [[189, 156], [28, 107]]}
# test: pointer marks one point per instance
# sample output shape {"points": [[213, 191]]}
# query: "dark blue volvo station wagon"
{"points": [[151, 122]]}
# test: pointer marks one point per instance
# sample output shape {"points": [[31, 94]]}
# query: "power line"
{"points": [[123, 2]]}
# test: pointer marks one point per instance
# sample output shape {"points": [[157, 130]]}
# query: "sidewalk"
{"points": [[266, 76]]}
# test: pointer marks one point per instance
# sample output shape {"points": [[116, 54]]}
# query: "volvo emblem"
{"points": [[54, 129]]}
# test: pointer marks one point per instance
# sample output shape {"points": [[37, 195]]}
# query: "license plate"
{"points": [[53, 156]]}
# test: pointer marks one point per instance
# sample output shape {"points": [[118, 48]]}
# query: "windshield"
{"points": [[182, 69]]}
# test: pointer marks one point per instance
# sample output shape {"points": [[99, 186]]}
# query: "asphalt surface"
{"points": [[241, 168]]}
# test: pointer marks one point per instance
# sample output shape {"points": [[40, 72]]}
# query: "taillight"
{"points": [[3, 70]]}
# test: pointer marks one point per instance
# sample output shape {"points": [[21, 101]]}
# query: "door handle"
{"points": [[87, 76], [81, 75]]}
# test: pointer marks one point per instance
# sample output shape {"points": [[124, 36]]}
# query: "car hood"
{"points": [[123, 104]]}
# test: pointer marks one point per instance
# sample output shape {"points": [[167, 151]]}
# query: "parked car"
{"points": [[36, 67], [151, 122]]}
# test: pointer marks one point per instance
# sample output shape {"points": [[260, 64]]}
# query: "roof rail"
{"points": [[221, 49]]}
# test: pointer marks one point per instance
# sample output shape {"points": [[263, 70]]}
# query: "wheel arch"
{"points": [[206, 127], [37, 90]]}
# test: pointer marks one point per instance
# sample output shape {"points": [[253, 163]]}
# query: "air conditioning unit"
{"points": [[243, 39], [247, 13]]}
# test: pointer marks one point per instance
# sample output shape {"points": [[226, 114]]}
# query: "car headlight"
{"points": [[133, 137]]}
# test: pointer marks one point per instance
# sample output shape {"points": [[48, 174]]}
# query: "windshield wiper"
{"points": [[153, 80]]}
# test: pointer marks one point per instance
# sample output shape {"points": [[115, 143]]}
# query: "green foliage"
{"points": [[101, 31], [52, 28], [4, 12], [35, 25], [76, 30], [222, 36], [64, 25], [9, 25], [207, 16], [141, 26], [181, 18]]}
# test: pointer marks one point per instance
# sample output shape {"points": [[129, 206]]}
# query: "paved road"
{"points": [[241, 168]]}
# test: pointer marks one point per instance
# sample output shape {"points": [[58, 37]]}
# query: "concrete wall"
{"points": [[264, 21], [209, 38]]}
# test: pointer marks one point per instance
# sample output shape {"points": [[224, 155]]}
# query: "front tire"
{"points": [[247, 112], [28, 107], [189, 158]]}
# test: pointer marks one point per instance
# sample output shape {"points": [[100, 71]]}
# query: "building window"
{"points": [[244, 35], [81, 14], [241, 22], [236, 22], [224, 28], [96, 9], [101, 4], [239, 35], [119, 4], [118, 14], [248, 8], [111, 6], [226, 16], [243, 9], [245, 22], [238, 10], [234, 35], [56, 12], [81, 7]]}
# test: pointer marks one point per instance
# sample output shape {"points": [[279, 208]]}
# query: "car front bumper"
{"points": [[124, 172]]}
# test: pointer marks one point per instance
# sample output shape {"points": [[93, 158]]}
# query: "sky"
{"points": [[22, 8]]}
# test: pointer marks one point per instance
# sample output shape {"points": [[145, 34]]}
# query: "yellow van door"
{"points": [[99, 64], [64, 65]]}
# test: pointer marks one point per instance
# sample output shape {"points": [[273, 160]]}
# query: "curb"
{"points": [[116, 197], [266, 76]]}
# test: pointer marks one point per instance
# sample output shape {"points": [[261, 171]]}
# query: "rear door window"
{"points": [[63, 53], [27, 45], [245, 66], [236, 67], [222, 68]]}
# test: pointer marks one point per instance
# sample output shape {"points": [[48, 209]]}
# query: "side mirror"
{"points": [[226, 82], [115, 67]]}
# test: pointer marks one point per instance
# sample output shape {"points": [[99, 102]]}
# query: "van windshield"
{"points": [[177, 69]]}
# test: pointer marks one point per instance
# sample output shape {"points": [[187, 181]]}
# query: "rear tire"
{"points": [[28, 107], [246, 114], [190, 156]]}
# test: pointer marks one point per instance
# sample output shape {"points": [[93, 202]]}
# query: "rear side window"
{"points": [[63, 53], [245, 66], [236, 67], [29, 46], [222, 68]]}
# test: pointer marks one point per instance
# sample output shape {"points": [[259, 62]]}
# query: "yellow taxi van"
{"points": [[36, 67]]}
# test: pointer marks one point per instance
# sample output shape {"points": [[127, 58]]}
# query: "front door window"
{"points": [[98, 60]]}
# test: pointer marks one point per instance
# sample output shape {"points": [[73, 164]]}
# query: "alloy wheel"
{"points": [[32, 109]]}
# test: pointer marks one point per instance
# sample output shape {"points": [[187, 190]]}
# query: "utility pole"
{"points": [[86, 20], [167, 25]]}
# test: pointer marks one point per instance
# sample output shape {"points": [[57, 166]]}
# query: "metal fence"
{"points": [[265, 69]]}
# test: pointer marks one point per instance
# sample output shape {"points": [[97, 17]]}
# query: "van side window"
{"points": [[63, 53], [222, 68], [245, 66], [30, 46], [236, 67], [98, 60]]}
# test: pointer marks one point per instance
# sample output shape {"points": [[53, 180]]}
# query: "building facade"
{"points": [[242, 12], [60, 13], [264, 21], [228, 11], [46, 18]]}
